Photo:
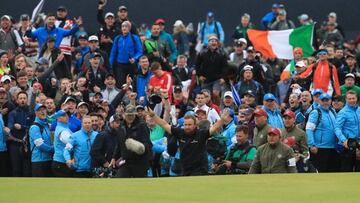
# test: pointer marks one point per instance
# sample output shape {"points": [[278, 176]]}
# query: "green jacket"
{"points": [[260, 135], [300, 139], [278, 158], [241, 156], [344, 89]]}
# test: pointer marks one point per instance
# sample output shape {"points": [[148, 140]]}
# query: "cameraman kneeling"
{"points": [[240, 156]]}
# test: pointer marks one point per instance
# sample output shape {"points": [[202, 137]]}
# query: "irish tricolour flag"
{"points": [[280, 44]]}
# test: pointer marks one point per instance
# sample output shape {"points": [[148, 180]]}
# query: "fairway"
{"points": [[246, 188]]}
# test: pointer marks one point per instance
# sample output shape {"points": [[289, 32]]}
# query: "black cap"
{"points": [[61, 8], [109, 75], [83, 36], [24, 17], [338, 98], [95, 54], [98, 93]]}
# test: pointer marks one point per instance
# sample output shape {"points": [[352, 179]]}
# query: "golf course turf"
{"points": [[238, 188]]}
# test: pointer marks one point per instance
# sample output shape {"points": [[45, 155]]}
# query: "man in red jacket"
{"points": [[160, 80]]}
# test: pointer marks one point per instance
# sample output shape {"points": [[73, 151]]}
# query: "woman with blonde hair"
{"points": [[180, 38]]}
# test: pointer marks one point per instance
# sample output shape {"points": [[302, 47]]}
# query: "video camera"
{"points": [[353, 144]]}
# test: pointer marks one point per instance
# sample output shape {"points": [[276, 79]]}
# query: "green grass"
{"points": [[241, 188]]}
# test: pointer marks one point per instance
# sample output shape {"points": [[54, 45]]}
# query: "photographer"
{"points": [[105, 142], [348, 127], [240, 156]]}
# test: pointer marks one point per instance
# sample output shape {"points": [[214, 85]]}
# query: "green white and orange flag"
{"points": [[280, 44]]}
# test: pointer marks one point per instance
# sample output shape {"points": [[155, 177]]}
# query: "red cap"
{"points": [[275, 131], [290, 114], [160, 21], [260, 112]]}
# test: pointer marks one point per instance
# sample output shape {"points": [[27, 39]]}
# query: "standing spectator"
{"points": [[61, 138], [181, 38], [6, 106], [242, 28], [247, 83], [142, 80], [332, 18], [210, 65], [10, 40], [270, 17], [157, 49], [261, 127], [122, 16], [323, 74], [80, 146], [348, 128], [210, 27], [272, 110], [251, 59], [94, 74], [110, 91], [30, 44], [20, 120], [134, 146], [212, 115], [107, 32], [295, 138], [274, 156], [43, 33], [166, 37], [125, 52], [350, 67], [320, 130], [182, 73], [239, 54], [333, 35], [94, 47], [3, 149], [160, 80], [192, 142], [349, 85], [281, 22], [42, 147]]}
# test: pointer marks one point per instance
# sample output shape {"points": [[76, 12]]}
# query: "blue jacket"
{"points": [[206, 29], [74, 123], [22, 116], [322, 134], [169, 39], [40, 143], [80, 145], [124, 48], [61, 141], [266, 20], [42, 33], [347, 123], [229, 132], [2, 135], [142, 82], [274, 118]]}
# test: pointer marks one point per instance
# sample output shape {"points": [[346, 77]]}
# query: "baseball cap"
{"points": [[177, 89], [109, 14], [349, 56], [200, 111], [83, 36], [42, 61], [5, 78], [98, 93], [260, 112], [228, 94], [211, 37], [332, 14], [338, 98], [275, 6], [115, 117], [61, 8], [303, 17], [123, 8], [282, 13], [289, 113], [250, 49], [248, 67], [93, 38], [38, 107], [241, 40], [300, 64], [274, 131], [350, 75], [83, 103], [59, 114], [69, 98], [249, 92], [130, 110], [325, 96], [322, 51], [109, 75], [178, 23], [210, 14], [24, 17], [269, 96], [95, 54], [138, 107], [317, 91], [160, 21], [6, 17]]}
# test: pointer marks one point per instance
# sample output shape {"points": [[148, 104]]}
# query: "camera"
{"points": [[353, 143], [102, 172]]}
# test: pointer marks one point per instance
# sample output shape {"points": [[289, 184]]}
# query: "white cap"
{"points": [[228, 94], [248, 67], [304, 17], [243, 40], [178, 23], [5, 78], [93, 38], [300, 64], [109, 14], [332, 14]]}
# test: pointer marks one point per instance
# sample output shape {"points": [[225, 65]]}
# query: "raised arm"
{"points": [[224, 116]]}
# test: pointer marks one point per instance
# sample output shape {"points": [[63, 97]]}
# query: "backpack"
{"points": [[319, 116], [26, 145], [203, 30], [216, 146]]}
